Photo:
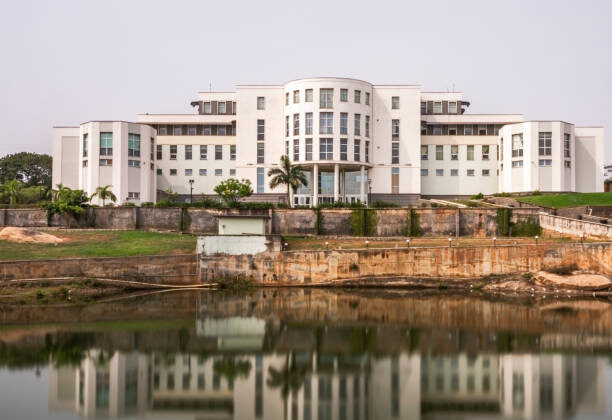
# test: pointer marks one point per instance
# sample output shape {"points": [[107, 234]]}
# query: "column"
{"points": [[362, 184], [315, 185], [336, 181]]}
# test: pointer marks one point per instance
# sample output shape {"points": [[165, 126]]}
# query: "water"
{"points": [[308, 354]]}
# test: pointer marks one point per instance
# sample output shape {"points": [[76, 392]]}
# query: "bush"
{"points": [[283, 206], [128, 205], [256, 205], [232, 190], [167, 203], [414, 228], [478, 196], [379, 204], [503, 221], [340, 205], [530, 227], [147, 204], [502, 194], [363, 222], [207, 203], [562, 270]]}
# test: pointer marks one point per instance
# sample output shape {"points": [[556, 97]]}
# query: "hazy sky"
{"points": [[66, 62]]}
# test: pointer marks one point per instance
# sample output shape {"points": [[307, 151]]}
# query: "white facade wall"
{"points": [[66, 161]]}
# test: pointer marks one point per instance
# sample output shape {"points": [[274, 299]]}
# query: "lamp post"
{"points": [[191, 181], [369, 191]]}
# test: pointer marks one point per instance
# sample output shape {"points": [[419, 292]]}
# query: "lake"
{"points": [[308, 354]]}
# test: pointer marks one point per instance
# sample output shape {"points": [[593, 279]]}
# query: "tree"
{"points": [[290, 175], [66, 200], [28, 168], [104, 193], [12, 189], [289, 378], [232, 190]]}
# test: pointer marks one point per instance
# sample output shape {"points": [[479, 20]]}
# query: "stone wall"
{"points": [[575, 227], [371, 265]]}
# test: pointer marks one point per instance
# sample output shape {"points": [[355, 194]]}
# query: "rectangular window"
{"points": [[437, 130], [517, 163], [207, 131], [566, 145], [470, 152], [454, 172], [439, 152], [437, 107], [439, 172], [296, 150], [308, 95], [152, 149], [287, 99], [296, 96], [221, 108], [159, 171], [286, 125], [367, 151], [207, 108], [296, 124], [173, 151], [177, 130], [343, 95], [203, 152], [357, 124], [452, 130], [326, 122], [424, 152], [454, 152], [218, 172], [545, 162], [202, 172], [545, 143], [568, 164], [221, 130], [308, 122], [470, 172], [232, 172], [188, 152], [395, 127], [367, 126], [218, 152], [308, 155], [162, 130], [261, 102], [357, 96], [395, 152], [260, 152], [173, 172], [467, 130], [343, 123], [482, 130], [395, 180], [133, 195], [159, 152], [106, 144], [188, 172], [395, 102], [452, 107], [134, 163], [326, 149], [261, 128], [485, 172], [85, 163], [423, 108], [357, 150], [326, 98], [424, 172], [343, 149], [517, 145], [233, 152], [367, 98], [85, 145], [260, 180], [485, 152], [191, 130]]}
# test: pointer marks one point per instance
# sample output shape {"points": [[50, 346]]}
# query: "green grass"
{"points": [[569, 200], [101, 243]]}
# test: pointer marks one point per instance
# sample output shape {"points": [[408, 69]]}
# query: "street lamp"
{"points": [[369, 191], [191, 181]]}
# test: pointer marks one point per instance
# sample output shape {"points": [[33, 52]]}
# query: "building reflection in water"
{"points": [[241, 381]]}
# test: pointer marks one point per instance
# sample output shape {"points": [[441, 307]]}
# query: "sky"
{"points": [[67, 62]]}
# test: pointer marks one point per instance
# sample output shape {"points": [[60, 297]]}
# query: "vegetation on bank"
{"points": [[569, 200], [101, 243]]}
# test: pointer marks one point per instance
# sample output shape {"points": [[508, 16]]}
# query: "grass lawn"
{"points": [[101, 243], [569, 200]]}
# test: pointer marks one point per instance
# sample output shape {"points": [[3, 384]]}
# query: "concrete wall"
{"points": [[238, 244], [575, 227], [316, 267]]}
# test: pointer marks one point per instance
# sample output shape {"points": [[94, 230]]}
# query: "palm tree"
{"points": [[289, 378], [290, 175], [13, 189], [104, 193]]}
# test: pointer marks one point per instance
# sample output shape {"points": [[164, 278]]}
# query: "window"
{"points": [[357, 150], [173, 172], [485, 152], [326, 122], [232, 172], [424, 152], [207, 108], [395, 102], [566, 146], [343, 149], [202, 172], [191, 130], [203, 152], [367, 98], [545, 162], [177, 130], [218, 152], [85, 163], [482, 130], [470, 152], [357, 96], [467, 130], [452, 107], [233, 152], [439, 172], [296, 149], [308, 127], [452, 130], [424, 172], [517, 145], [326, 149], [308, 155], [367, 126], [395, 128], [106, 144], [357, 124], [296, 96], [423, 108], [106, 162], [439, 152], [367, 151], [221, 130], [545, 143], [454, 172], [188, 172], [343, 95], [134, 163], [485, 172], [454, 152], [85, 145], [152, 149], [261, 127], [423, 128], [395, 152], [296, 124], [173, 152], [133, 195], [221, 108], [260, 152], [286, 125], [437, 107], [260, 180], [395, 180], [326, 98], [437, 130], [517, 163], [343, 123], [308, 95], [188, 152], [218, 172], [207, 130], [568, 164], [470, 172], [159, 171], [162, 130], [261, 102], [159, 152], [287, 98]]}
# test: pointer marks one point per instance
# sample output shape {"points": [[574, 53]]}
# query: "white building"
{"points": [[356, 141]]}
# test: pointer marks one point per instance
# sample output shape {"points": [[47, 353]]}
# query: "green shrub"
{"points": [[379, 204], [434, 205], [502, 194], [340, 205], [503, 221], [318, 222], [283, 206], [128, 205], [363, 222], [415, 229], [478, 196], [207, 203], [256, 205], [530, 227], [147, 204]]}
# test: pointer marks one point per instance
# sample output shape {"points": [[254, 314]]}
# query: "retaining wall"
{"points": [[575, 227]]}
